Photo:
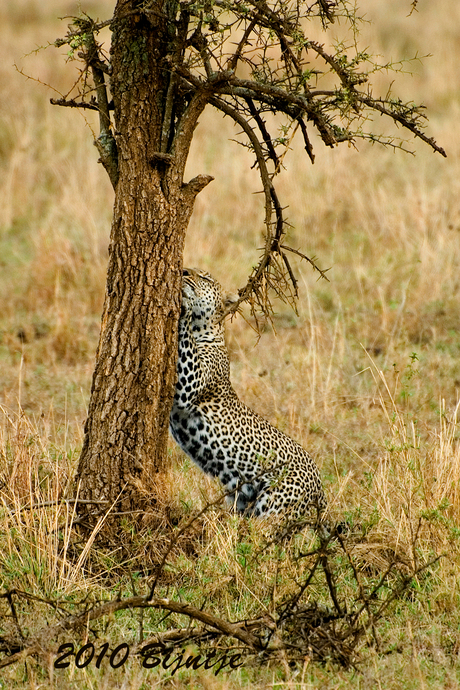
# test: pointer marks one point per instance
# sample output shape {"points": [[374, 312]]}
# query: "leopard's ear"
{"points": [[230, 298]]}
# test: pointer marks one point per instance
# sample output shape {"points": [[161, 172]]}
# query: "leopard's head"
{"points": [[204, 303]]}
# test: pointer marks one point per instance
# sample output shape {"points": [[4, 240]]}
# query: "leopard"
{"points": [[263, 471]]}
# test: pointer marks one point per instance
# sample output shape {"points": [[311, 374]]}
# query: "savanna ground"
{"points": [[366, 375]]}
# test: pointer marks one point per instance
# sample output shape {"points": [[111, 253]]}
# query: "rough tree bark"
{"points": [[133, 383]]}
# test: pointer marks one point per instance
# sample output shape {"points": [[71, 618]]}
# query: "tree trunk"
{"points": [[133, 383]]}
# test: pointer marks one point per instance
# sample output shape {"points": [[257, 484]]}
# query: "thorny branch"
{"points": [[247, 59]]}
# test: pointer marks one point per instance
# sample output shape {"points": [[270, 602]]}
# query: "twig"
{"points": [[322, 272], [72, 103], [179, 635]]}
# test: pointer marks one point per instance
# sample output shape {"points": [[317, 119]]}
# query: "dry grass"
{"points": [[340, 376]]}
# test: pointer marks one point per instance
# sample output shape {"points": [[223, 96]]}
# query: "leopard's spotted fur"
{"points": [[264, 471]]}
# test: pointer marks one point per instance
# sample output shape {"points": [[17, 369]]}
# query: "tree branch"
{"points": [[264, 132], [380, 106], [105, 142], [72, 103]]}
